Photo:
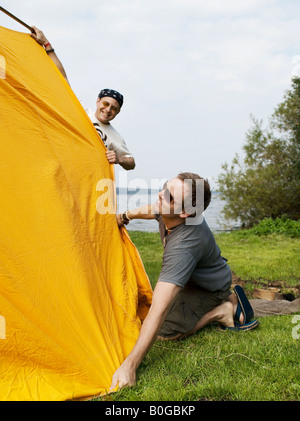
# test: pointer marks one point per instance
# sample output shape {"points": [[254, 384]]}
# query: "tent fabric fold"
{"points": [[73, 289]]}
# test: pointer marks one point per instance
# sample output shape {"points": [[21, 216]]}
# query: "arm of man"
{"points": [[143, 212], [39, 36], [127, 162], [163, 296]]}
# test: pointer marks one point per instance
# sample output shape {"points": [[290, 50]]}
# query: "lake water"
{"points": [[133, 200]]}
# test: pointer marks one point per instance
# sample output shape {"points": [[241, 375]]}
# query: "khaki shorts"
{"points": [[189, 306]]}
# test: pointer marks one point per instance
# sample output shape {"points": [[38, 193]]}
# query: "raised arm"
{"points": [[39, 36], [143, 212], [127, 162]]}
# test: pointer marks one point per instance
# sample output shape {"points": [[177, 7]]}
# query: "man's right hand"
{"points": [[39, 36], [123, 377], [120, 221]]}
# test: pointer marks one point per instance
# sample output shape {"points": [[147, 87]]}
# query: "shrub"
{"points": [[283, 225], [265, 183]]}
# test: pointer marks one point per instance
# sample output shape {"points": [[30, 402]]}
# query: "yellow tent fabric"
{"points": [[73, 289]]}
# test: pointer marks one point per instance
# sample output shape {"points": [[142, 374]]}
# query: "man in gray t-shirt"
{"points": [[191, 254], [193, 288]]}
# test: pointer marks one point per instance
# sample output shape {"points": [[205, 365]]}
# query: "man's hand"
{"points": [[112, 157], [128, 163], [39, 36], [122, 377], [120, 222]]}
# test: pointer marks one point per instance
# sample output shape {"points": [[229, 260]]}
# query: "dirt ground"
{"points": [[270, 298]]}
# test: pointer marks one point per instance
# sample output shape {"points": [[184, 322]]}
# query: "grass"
{"points": [[262, 259], [255, 259], [261, 365], [222, 366]]}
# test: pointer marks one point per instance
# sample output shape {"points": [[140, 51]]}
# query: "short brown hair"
{"points": [[207, 192]]}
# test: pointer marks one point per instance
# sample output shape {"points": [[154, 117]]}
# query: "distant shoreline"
{"points": [[150, 191], [129, 198]]}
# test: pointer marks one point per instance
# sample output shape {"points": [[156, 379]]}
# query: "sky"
{"points": [[192, 72]]}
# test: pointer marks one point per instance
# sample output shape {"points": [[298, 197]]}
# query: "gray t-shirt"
{"points": [[192, 254]]}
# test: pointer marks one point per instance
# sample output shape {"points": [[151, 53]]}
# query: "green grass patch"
{"points": [[256, 259], [260, 365], [271, 258]]}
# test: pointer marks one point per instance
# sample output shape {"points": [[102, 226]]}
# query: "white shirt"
{"points": [[110, 137]]}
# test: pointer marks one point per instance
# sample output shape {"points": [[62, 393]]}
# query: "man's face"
{"points": [[170, 198], [107, 109]]}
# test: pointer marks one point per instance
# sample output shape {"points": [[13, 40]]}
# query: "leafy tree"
{"points": [[266, 182]]}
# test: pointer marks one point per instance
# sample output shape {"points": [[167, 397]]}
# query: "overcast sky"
{"points": [[191, 71]]}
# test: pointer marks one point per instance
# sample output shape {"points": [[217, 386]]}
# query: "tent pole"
{"points": [[17, 19]]}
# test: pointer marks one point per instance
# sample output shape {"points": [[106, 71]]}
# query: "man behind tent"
{"points": [[108, 106]]}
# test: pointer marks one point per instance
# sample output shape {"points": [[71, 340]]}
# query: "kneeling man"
{"points": [[193, 288]]}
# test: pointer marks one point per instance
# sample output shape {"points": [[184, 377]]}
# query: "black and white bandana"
{"points": [[113, 94]]}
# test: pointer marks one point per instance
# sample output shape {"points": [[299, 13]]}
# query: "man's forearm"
{"points": [[143, 212], [58, 64], [126, 373], [39, 36], [163, 296], [147, 337], [128, 163]]}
